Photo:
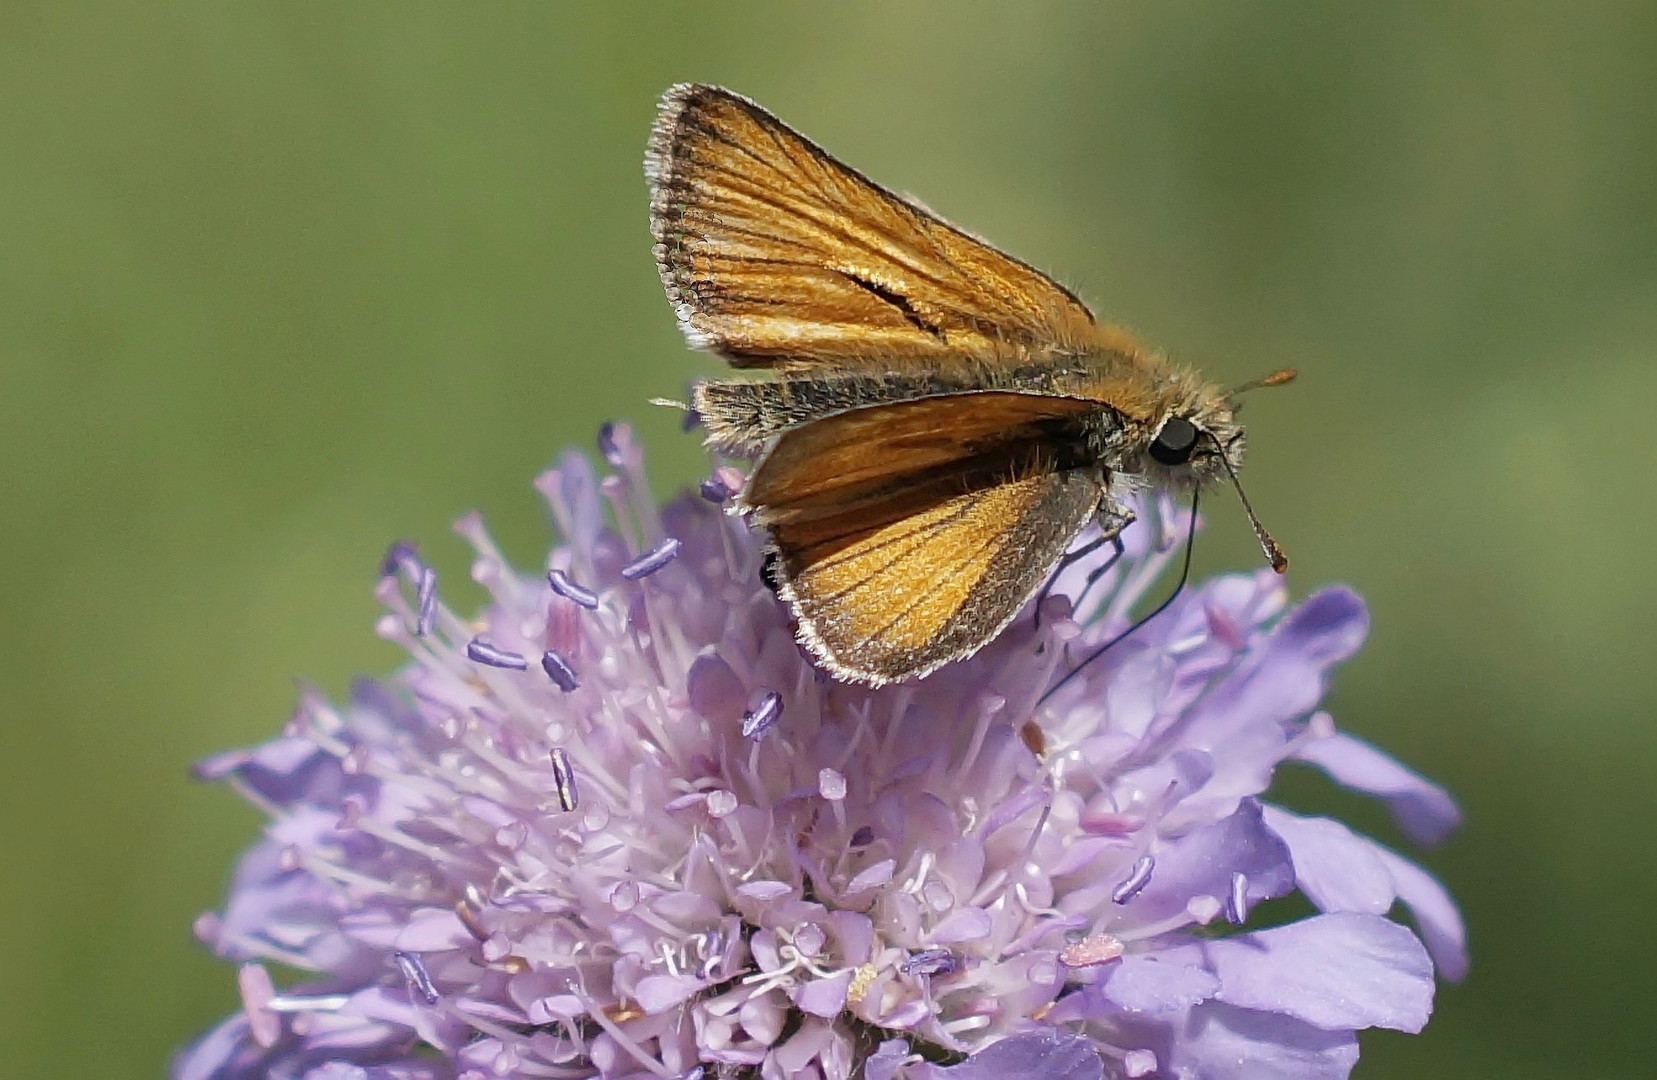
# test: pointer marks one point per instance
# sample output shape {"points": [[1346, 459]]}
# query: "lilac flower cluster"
{"points": [[618, 826]]}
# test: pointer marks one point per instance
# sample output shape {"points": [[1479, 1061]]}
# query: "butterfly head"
{"points": [[1195, 445], [1195, 440]]}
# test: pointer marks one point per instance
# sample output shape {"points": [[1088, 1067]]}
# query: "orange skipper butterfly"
{"points": [[938, 421]]}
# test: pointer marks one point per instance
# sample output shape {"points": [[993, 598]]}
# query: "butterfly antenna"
{"points": [[1274, 553], [1184, 574], [1276, 378]]}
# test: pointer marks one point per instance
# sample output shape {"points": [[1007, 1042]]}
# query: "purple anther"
{"points": [[1237, 911], [1137, 879], [414, 970], [758, 720], [425, 601], [564, 777], [569, 590], [863, 837], [607, 444], [484, 653], [715, 492], [396, 555], [930, 962], [711, 948], [558, 670], [652, 560]]}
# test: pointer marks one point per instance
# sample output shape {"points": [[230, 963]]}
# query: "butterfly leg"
{"points": [[1098, 572], [1067, 560], [1113, 518]]}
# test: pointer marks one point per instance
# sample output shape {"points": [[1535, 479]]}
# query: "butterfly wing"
{"points": [[775, 254], [868, 455], [909, 535], [895, 591]]}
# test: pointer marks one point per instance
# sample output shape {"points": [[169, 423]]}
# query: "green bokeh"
{"points": [[280, 283]]}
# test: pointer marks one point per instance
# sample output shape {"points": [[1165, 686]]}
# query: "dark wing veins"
{"points": [[897, 300]]}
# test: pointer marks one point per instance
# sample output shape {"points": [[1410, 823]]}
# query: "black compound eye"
{"points": [[1173, 444]]}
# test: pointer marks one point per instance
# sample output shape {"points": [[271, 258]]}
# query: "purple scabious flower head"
{"points": [[617, 825]]}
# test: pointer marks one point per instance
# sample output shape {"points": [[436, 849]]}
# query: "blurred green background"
{"points": [[280, 283]]}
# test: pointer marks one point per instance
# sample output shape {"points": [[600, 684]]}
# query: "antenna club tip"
{"points": [[1280, 563], [1276, 378]]}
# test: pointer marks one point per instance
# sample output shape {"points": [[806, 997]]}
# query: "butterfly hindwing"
{"points": [[864, 455], [894, 590], [908, 535]]}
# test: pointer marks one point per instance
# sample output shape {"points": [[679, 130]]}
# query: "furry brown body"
{"points": [[1133, 393], [940, 421]]}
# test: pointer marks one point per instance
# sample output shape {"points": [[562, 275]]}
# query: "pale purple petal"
{"points": [[1285, 678], [1337, 869], [824, 997], [432, 929], [872, 876], [659, 993], [962, 924], [210, 1056], [714, 690], [807, 1043], [278, 757], [1436, 915], [1340, 971], [883, 1063], [1325, 628], [1202, 863], [1220, 1042], [1044, 1054], [1146, 984], [337, 1070], [1422, 809]]}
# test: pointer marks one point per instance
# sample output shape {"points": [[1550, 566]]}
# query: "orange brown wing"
{"points": [[775, 254], [895, 589], [833, 464], [908, 535]]}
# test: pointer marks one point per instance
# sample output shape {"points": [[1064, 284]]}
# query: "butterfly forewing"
{"points": [[776, 255]]}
